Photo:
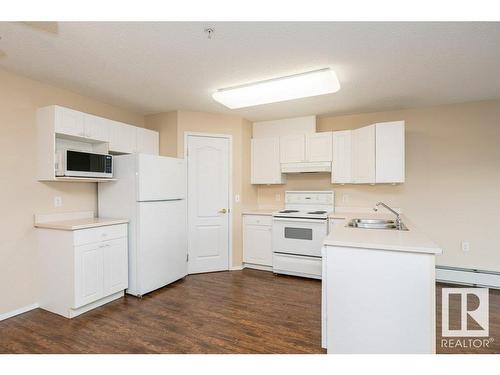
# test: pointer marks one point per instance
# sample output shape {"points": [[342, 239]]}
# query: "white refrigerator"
{"points": [[150, 191]]}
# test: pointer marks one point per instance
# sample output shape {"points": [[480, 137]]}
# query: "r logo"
{"points": [[478, 314]]}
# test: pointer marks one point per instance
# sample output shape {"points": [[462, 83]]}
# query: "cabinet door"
{"points": [[69, 122], [148, 141], [390, 152], [292, 148], [96, 128], [122, 137], [363, 147], [342, 157], [257, 245], [88, 274], [319, 146], [115, 257], [265, 167]]}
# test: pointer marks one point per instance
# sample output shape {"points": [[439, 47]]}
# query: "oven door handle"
{"points": [[300, 220]]}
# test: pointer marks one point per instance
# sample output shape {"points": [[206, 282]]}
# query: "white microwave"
{"points": [[73, 163]]}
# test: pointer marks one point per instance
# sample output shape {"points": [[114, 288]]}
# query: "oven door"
{"points": [[299, 236]]}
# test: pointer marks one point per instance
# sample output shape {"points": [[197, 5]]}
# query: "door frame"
{"points": [[229, 137]]}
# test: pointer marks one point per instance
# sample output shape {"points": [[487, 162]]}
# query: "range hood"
{"points": [[307, 167]]}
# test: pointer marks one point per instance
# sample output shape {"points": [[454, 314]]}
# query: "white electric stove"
{"points": [[299, 231]]}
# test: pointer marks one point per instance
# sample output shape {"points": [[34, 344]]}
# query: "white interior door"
{"points": [[208, 203]]}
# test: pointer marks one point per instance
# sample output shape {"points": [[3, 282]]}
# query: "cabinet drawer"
{"points": [[92, 235], [258, 220], [297, 265]]}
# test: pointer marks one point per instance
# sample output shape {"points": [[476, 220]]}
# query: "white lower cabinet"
{"points": [[257, 240], [82, 269]]}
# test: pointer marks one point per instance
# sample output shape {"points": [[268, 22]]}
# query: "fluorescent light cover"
{"points": [[318, 82]]}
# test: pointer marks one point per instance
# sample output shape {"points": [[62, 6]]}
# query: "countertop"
{"points": [[81, 223], [260, 211], [412, 240]]}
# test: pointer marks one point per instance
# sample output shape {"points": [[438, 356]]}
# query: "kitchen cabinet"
{"points": [[82, 269], [122, 138], [390, 152], [319, 146], [68, 121], [342, 157], [292, 148], [96, 128], [265, 164], [147, 141], [64, 128], [363, 155], [257, 240], [78, 124], [371, 154], [313, 147], [89, 263]]}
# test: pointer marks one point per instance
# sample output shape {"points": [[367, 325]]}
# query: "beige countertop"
{"points": [[260, 211], [74, 221], [81, 223], [412, 240]]}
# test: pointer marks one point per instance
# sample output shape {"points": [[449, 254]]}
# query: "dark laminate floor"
{"points": [[245, 311]]}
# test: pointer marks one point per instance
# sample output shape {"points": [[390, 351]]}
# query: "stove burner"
{"points": [[288, 211], [317, 212]]}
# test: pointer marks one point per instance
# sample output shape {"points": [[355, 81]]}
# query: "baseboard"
{"points": [[464, 276], [258, 267], [236, 268], [18, 311]]}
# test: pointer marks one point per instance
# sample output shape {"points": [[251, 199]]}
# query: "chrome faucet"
{"points": [[398, 217]]}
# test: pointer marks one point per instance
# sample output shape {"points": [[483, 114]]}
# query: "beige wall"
{"points": [[21, 195], [452, 189], [166, 125], [178, 122]]}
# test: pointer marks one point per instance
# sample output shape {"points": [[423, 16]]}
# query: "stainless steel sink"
{"points": [[376, 224]]}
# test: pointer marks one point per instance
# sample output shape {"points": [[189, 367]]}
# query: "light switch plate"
{"points": [[465, 246]]}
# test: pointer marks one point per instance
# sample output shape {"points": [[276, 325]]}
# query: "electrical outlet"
{"points": [[465, 246], [57, 201], [277, 197]]}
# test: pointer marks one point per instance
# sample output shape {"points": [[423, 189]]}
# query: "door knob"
{"points": [[222, 211]]}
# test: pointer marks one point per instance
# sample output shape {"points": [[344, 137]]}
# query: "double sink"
{"points": [[377, 224]]}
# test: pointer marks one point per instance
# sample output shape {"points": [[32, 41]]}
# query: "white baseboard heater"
{"points": [[465, 276]]}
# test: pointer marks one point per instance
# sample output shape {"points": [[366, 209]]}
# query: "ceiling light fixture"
{"points": [[303, 85]]}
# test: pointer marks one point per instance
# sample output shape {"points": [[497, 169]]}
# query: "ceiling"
{"points": [[161, 66]]}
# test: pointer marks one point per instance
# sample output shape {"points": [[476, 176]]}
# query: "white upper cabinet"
{"points": [[369, 155], [342, 157], [363, 155], [96, 128], [148, 141], [265, 165], [292, 148], [390, 152], [319, 146], [69, 121], [312, 147], [122, 137]]}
